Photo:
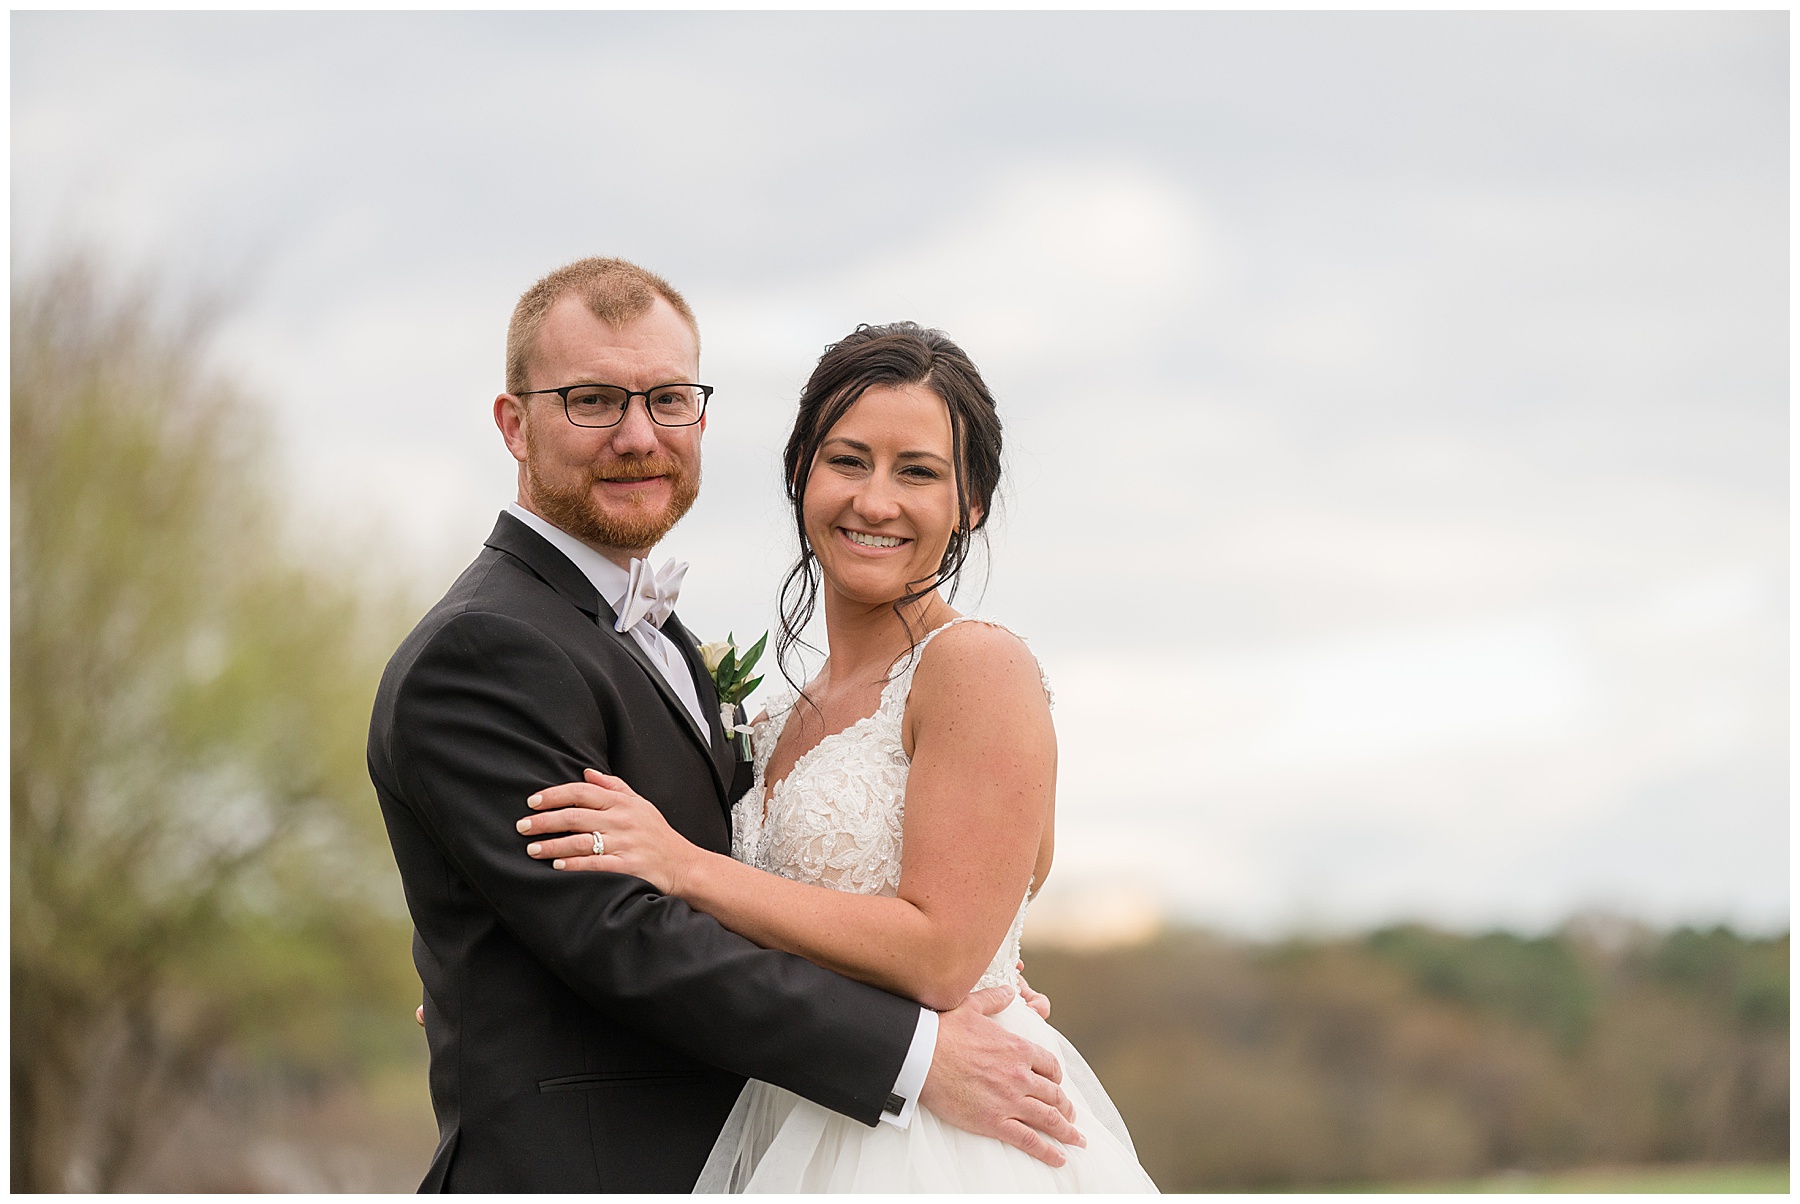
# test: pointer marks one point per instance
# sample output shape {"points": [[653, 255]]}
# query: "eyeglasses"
{"points": [[677, 404]]}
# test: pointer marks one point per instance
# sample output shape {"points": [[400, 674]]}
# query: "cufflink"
{"points": [[894, 1106]]}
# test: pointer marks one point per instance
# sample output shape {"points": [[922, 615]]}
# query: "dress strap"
{"points": [[762, 746], [901, 675]]}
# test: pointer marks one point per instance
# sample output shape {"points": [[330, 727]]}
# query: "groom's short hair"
{"points": [[614, 290]]}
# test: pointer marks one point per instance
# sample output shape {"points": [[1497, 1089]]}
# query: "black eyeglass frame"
{"points": [[706, 392]]}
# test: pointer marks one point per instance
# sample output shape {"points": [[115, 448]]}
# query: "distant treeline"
{"points": [[1412, 1053]]}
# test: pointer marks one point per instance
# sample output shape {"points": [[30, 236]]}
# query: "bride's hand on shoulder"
{"points": [[634, 838]]}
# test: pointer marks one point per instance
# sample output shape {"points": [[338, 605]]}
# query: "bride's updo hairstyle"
{"points": [[895, 355]]}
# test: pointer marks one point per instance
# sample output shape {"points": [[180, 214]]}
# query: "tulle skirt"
{"points": [[775, 1141]]}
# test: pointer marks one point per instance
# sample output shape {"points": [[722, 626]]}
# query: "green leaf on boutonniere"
{"points": [[731, 673]]}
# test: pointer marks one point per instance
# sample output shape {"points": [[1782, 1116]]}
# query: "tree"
{"points": [[197, 862]]}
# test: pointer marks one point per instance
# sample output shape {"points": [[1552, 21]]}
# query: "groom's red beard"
{"points": [[572, 507]]}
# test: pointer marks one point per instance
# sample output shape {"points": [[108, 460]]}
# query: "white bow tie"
{"points": [[651, 594]]}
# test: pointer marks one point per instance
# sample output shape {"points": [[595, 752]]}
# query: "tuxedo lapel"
{"points": [[706, 740], [557, 571], [723, 758], [516, 539]]}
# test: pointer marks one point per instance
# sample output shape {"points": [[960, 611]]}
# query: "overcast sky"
{"points": [[1395, 403]]}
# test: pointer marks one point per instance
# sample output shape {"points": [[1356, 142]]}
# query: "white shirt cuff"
{"points": [[914, 1070]]}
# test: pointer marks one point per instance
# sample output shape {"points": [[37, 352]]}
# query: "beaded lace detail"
{"points": [[835, 820]]}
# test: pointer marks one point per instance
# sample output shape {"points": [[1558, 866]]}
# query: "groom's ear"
{"points": [[509, 416]]}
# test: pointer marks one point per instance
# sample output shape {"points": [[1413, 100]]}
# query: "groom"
{"points": [[587, 1033]]}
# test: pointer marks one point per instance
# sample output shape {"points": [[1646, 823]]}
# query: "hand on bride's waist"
{"points": [[614, 829]]}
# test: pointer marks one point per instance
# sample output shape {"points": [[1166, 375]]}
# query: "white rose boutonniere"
{"points": [[713, 654], [731, 677]]}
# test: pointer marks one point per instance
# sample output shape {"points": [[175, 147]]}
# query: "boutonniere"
{"points": [[731, 678]]}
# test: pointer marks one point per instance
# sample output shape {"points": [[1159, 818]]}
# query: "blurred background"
{"points": [[1397, 445]]}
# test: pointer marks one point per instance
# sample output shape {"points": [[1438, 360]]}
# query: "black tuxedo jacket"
{"points": [[586, 1032]]}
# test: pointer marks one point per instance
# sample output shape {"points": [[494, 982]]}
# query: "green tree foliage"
{"points": [[1415, 1055], [197, 863], [1750, 978], [1537, 982]]}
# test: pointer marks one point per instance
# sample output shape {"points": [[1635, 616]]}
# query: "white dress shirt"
{"points": [[611, 582]]}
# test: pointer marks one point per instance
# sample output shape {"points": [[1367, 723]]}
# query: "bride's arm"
{"points": [[978, 803]]}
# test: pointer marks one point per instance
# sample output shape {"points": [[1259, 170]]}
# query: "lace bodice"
{"points": [[835, 820]]}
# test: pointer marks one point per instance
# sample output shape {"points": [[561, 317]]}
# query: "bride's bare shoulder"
{"points": [[981, 663]]}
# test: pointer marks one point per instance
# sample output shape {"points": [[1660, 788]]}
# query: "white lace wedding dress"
{"points": [[835, 820]]}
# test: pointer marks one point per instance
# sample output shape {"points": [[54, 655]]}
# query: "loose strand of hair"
{"points": [[799, 602]]}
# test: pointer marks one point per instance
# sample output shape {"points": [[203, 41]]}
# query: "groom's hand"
{"points": [[989, 1081]]}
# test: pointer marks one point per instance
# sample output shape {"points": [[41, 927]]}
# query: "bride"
{"points": [[901, 814]]}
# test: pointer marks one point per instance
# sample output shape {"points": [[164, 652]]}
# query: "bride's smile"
{"points": [[867, 539], [881, 499]]}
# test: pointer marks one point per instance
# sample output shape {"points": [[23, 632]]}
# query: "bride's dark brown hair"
{"points": [[895, 355]]}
